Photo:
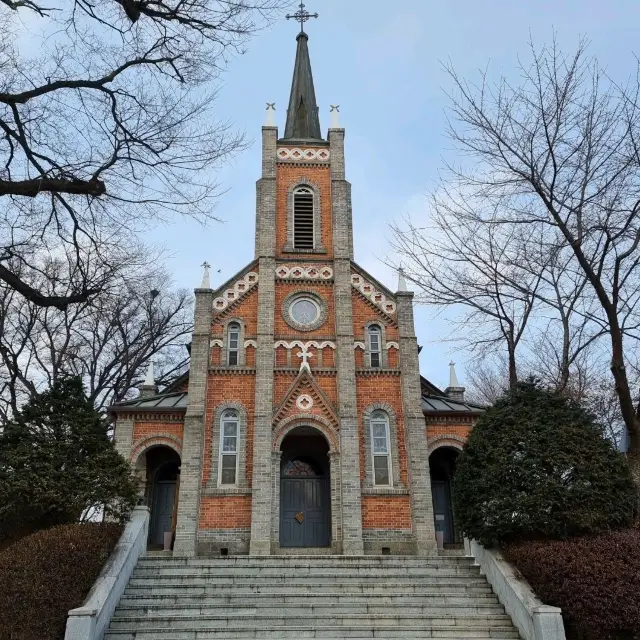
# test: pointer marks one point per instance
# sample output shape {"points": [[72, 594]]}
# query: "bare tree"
{"points": [[108, 340], [559, 156], [457, 264], [106, 123]]}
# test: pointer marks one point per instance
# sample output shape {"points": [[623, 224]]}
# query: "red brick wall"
{"points": [[225, 512], [381, 388], [223, 387], [157, 427], [363, 312], [386, 512], [283, 330], [288, 174]]}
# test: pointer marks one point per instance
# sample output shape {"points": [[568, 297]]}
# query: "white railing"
{"points": [[90, 621], [535, 620]]}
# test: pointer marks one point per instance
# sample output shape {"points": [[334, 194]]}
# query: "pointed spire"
{"points": [[402, 283], [206, 281], [453, 378], [455, 390], [303, 122]]}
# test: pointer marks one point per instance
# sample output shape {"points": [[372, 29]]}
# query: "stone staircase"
{"points": [[308, 597]]}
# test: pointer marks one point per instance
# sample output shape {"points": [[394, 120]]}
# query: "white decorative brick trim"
{"points": [[250, 343], [303, 155], [359, 345], [305, 272], [304, 402], [216, 343], [371, 293], [393, 345], [239, 289], [304, 345]]}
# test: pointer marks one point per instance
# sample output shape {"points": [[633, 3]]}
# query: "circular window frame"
{"points": [[292, 298]]}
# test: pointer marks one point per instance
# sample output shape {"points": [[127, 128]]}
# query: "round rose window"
{"points": [[304, 311]]}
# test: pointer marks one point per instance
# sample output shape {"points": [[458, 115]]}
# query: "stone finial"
{"points": [[335, 116], [455, 390], [206, 280], [149, 385], [453, 378], [402, 283], [271, 115]]}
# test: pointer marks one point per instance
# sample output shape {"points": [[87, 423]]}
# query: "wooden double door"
{"points": [[305, 505]]}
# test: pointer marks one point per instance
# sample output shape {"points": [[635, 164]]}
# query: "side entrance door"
{"points": [[442, 510], [304, 505], [164, 493]]}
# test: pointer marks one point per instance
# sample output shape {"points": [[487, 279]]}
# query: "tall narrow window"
{"points": [[229, 447], [233, 343], [303, 218], [374, 346], [380, 449]]}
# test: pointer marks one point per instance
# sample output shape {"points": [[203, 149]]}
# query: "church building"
{"points": [[303, 424]]}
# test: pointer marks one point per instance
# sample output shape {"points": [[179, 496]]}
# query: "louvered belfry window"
{"points": [[303, 218]]}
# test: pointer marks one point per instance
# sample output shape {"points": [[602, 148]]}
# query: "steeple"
{"points": [[303, 122]]}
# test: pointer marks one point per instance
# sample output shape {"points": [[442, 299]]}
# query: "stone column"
{"points": [[414, 425], [262, 482], [351, 499], [193, 436], [123, 436]]}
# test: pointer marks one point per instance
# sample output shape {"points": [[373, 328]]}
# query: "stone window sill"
{"points": [[385, 491], [212, 490]]}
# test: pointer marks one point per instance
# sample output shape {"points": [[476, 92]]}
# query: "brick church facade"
{"points": [[303, 424]]}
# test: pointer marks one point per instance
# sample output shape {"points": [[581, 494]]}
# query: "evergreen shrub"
{"points": [[536, 466]]}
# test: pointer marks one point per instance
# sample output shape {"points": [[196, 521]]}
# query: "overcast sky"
{"points": [[382, 63]]}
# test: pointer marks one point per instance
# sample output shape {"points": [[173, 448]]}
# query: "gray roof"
{"points": [[303, 122], [162, 402], [442, 404]]}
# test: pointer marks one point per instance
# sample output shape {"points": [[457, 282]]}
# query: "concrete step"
{"points": [[388, 632], [461, 610], [186, 622], [310, 561], [293, 598], [304, 572], [337, 588]]}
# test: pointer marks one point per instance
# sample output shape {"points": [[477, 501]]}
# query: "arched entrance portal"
{"points": [[161, 468], [442, 465], [305, 490]]}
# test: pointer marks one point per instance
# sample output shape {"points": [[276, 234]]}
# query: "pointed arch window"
{"points": [[374, 337], [229, 436], [380, 449], [303, 222], [233, 344]]}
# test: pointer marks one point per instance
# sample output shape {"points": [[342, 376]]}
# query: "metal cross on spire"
{"points": [[301, 16]]}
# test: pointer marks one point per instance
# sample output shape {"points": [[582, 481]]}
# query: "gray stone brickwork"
{"points": [[123, 435], [193, 438], [266, 196], [262, 489], [416, 441], [261, 504]]}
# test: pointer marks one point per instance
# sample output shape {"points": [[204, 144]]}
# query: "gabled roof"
{"points": [[161, 402], [443, 404]]}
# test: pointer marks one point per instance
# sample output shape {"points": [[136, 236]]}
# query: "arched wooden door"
{"points": [[305, 519], [163, 503]]}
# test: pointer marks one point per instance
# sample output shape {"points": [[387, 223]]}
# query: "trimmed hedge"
{"points": [[536, 466], [594, 579], [47, 573]]}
